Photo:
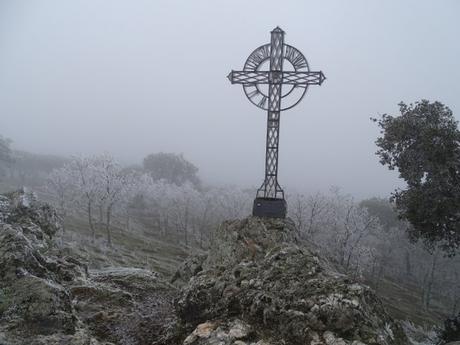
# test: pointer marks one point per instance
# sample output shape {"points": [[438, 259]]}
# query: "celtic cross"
{"points": [[264, 88]]}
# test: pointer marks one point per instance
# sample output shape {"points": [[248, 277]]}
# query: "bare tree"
{"points": [[308, 213], [112, 182], [61, 185], [85, 181]]}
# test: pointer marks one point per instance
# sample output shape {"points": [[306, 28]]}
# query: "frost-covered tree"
{"points": [[84, 175], [112, 182], [61, 185], [338, 225], [350, 224], [134, 186], [159, 196], [308, 213], [96, 182], [187, 201], [231, 202]]}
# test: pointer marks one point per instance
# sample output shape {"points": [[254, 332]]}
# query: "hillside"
{"points": [[134, 248], [257, 284]]}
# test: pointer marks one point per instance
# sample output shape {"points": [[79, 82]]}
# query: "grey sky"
{"points": [[134, 77]]}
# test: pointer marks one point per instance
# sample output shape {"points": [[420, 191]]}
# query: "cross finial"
{"points": [[230, 76], [278, 29]]}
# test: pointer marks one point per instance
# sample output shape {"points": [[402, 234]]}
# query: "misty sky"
{"points": [[134, 77]]}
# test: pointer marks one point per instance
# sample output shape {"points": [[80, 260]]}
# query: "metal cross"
{"points": [[264, 88]]}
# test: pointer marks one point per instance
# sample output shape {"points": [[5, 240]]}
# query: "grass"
{"points": [[135, 248], [404, 303]]}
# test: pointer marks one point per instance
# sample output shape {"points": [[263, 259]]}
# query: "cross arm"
{"points": [[248, 77], [263, 77], [303, 78]]}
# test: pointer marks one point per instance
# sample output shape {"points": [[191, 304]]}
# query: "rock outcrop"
{"points": [[259, 286], [48, 299]]}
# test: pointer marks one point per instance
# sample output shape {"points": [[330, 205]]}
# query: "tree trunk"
{"points": [[380, 274], [166, 226], [63, 220], [107, 224], [62, 212], [186, 226], [454, 306], [201, 238], [101, 214], [408, 264], [128, 219], [90, 220], [430, 281]]}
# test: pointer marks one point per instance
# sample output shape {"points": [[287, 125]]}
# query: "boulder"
{"points": [[32, 298]]}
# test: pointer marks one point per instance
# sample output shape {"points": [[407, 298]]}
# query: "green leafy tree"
{"points": [[5, 150], [6, 157], [172, 168], [423, 144]]}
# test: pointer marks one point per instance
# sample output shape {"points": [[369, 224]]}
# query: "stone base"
{"points": [[269, 207]]}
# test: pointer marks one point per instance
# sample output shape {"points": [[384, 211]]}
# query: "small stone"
{"points": [[244, 283], [357, 342], [355, 288], [239, 330], [262, 342], [330, 339], [204, 330], [315, 338], [190, 339]]}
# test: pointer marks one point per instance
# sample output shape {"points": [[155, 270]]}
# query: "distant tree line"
{"points": [[5, 150], [20, 168], [165, 194]]}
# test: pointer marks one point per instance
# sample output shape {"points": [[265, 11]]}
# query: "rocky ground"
{"points": [[257, 285], [49, 298]]}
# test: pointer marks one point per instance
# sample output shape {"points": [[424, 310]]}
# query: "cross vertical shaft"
{"points": [[270, 187]]}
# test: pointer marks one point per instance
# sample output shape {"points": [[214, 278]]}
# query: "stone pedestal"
{"points": [[269, 207]]}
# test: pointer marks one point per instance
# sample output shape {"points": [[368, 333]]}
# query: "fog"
{"points": [[135, 77]]}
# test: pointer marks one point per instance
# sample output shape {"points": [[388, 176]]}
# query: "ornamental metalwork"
{"points": [[275, 77]]}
